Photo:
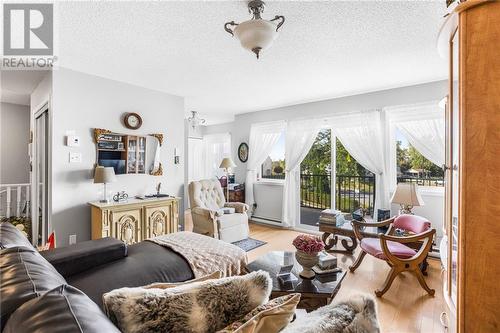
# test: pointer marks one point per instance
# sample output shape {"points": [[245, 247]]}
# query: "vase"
{"points": [[307, 261]]}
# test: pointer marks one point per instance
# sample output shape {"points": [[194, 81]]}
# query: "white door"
{"points": [[195, 159], [41, 177]]}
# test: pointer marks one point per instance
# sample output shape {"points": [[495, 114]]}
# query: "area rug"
{"points": [[249, 244]]}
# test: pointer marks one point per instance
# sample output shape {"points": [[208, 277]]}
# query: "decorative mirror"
{"points": [[243, 152], [129, 154]]}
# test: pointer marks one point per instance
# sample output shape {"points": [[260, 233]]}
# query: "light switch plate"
{"points": [[72, 239], [75, 157]]}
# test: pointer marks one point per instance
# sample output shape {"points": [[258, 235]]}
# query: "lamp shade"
{"points": [[104, 175], [227, 163], [407, 194], [256, 34]]}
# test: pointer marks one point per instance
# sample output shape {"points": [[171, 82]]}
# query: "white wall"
{"points": [[240, 128], [81, 102], [14, 140]]}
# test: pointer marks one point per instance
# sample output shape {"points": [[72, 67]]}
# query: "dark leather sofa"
{"points": [[61, 290]]}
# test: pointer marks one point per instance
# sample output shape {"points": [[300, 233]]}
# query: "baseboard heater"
{"points": [[264, 219], [269, 200]]}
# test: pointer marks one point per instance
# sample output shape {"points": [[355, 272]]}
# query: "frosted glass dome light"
{"points": [[256, 34]]}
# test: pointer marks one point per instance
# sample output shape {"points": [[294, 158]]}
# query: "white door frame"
{"points": [[34, 179]]}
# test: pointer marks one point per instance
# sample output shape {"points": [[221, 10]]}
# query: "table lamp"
{"points": [[226, 164], [104, 175], [407, 196]]}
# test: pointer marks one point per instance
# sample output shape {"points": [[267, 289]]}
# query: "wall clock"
{"points": [[243, 152], [132, 120]]}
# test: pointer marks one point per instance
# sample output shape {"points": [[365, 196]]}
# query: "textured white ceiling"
{"points": [[325, 49]]}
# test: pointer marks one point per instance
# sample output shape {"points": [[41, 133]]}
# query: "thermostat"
{"points": [[73, 141]]}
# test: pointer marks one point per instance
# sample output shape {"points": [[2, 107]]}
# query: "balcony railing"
{"points": [[422, 181], [352, 192]]}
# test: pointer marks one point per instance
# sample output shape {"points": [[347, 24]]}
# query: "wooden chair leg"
{"points": [[388, 282], [358, 261], [421, 280]]}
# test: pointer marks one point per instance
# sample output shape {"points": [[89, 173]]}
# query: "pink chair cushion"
{"points": [[372, 246], [413, 223]]}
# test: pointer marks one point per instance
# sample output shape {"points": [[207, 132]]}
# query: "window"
{"points": [[274, 165], [413, 167]]}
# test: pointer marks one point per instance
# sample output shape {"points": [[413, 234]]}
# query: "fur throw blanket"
{"points": [[355, 315], [199, 307], [204, 254]]}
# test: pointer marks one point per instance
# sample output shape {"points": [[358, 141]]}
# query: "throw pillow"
{"points": [[161, 285], [357, 314], [200, 307], [271, 317]]}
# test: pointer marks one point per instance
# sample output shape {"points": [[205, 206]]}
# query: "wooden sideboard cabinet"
{"points": [[135, 220]]}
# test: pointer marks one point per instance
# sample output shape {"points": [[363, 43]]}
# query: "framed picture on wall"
{"points": [[243, 152]]}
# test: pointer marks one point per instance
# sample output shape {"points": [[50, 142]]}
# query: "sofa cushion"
{"points": [[356, 314], [25, 274], [145, 263], [232, 220], [206, 194], [373, 247], [271, 317], [166, 285], [10, 236], [82, 256], [196, 307], [60, 310]]}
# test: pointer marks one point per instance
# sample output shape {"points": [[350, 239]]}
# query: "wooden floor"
{"points": [[406, 307]]}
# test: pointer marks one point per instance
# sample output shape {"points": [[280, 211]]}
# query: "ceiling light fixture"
{"points": [[195, 120], [256, 34]]}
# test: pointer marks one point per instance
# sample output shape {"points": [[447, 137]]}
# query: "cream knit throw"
{"points": [[204, 254]]}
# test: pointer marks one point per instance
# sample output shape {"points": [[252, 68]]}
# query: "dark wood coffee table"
{"points": [[315, 292]]}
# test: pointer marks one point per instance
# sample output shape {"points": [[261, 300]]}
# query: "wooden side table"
{"points": [[237, 195], [331, 233]]}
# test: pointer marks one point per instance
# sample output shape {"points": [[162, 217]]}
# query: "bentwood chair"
{"points": [[395, 250]]}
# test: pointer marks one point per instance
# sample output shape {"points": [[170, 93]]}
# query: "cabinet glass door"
{"points": [[132, 155], [454, 171], [141, 155]]}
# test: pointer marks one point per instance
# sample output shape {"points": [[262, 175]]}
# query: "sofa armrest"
{"points": [[82, 256], [207, 213], [239, 207]]}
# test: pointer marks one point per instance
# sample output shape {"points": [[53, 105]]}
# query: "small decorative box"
{"points": [[327, 261]]}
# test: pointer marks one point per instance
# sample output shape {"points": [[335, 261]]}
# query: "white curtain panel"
{"points": [[362, 136], [427, 136], [263, 138], [300, 136], [423, 125], [216, 147]]}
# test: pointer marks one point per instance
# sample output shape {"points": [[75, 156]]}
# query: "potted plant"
{"points": [[307, 256]]}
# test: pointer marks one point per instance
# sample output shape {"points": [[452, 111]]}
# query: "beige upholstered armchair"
{"points": [[207, 203]]}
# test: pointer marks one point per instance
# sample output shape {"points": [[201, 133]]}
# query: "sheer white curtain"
{"points": [[216, 147], [362, 136], [263, 137], [423, 125], [300, 136]]}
